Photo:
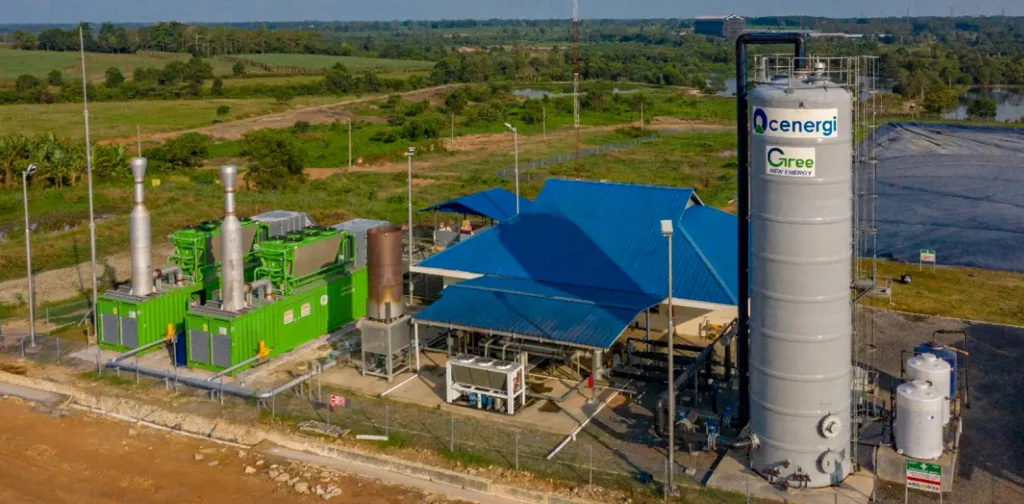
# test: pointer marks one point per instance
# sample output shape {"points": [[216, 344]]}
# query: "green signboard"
{"points": [[924, 476]]}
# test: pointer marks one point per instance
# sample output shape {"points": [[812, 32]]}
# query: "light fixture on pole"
{"points": [[28, 257], [515, 139], [409, 154], [666, 231]]}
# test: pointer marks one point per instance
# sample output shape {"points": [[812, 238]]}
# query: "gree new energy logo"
{"points": [[796, 123], [790, 161]]}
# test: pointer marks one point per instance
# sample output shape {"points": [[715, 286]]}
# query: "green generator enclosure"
{"points": [[218, 340], [127, 322], [197, 252]]}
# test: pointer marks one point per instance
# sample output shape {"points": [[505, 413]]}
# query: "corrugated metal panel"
{"points": [[199, 346], [108, 322], [497, 203], [578, 316], [129, 332], [358, 228], [284, 221], [607, 236]]}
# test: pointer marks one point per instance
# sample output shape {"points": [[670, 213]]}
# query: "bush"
{"points": [[223, 110], [274, 159], [415, 109], [238, 69], [186, 151], [115, 78], [982, 108], [396, 120], [301, 127], [282, 96], [217, 89], [384, 136], [26, 83], [54, 78]]}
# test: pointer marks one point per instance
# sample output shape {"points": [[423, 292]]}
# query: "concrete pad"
{"points": [[30, 394], [892, 467], [733, 475]]}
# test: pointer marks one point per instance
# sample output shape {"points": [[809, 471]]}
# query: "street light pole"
{"points": [[28, 257], [666, 231], [515, 139], [409, 154]]}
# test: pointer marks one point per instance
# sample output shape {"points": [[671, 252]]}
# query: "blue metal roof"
{"points": [[607, 236], [569, 314], [496, 203]]}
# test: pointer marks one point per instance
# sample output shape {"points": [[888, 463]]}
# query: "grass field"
{"points": [[118, 120], [354, 63], [38, 63], [968, 293]]}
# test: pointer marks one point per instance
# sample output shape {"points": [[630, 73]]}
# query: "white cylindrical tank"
{"points": [[919, 412], [932, 369], [801, 217], [139, 234]]}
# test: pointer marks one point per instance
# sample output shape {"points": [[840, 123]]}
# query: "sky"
{"points": [[73, 11]]}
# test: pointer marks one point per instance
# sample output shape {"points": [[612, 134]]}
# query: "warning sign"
{"points": [[289, 316], [305, 310], [924, 476]]}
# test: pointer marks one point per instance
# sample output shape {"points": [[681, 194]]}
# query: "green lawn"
{"points": [[969, 293], [317, 62], [14, 62], [119, 119]]}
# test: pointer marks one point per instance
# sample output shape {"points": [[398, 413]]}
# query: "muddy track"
{"points": [[320, 114]]}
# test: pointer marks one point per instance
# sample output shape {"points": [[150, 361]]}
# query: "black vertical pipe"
{"points": [[743, 176]]}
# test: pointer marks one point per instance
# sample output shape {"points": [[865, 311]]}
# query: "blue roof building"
{"points": [[497, 204], [583, 261]]}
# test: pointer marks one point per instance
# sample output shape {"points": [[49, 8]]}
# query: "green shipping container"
{"points": [[218, 340], [127, 322]]}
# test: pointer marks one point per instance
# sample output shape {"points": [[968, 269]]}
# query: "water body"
{"points": [[1009, 103]]}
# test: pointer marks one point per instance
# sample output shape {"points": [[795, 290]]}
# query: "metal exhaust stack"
{"points": [[384, 260], [232, 277], [140, 234]]}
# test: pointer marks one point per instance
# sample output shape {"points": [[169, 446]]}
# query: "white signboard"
{"points": [[790, 161], [796, 123]]}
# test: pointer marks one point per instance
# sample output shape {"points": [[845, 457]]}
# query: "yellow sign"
{"points": [[155, 182]]}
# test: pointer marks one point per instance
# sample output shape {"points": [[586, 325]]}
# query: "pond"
{"points": [[1009, 103]]}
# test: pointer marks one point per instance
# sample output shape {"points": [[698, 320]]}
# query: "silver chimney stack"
{"points": [[232, 276], [139, 234]]}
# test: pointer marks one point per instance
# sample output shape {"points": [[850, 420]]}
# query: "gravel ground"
{"points": [[990, 468]]}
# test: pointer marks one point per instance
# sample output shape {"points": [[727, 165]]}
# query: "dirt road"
{"points": [[321, 114], [47, 459]]}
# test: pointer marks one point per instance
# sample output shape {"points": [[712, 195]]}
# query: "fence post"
{"points": [[451, 441], [517, 449], [387, 417], [591, 464]]}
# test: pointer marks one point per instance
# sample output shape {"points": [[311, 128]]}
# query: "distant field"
{"points": [[317, 62], [271, 81], [14, 63], [118, 120]]}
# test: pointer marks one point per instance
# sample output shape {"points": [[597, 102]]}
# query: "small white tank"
{"points": [[932, 369], [919, 415]]}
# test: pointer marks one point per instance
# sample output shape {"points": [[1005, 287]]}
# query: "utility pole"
{"points": [[515, 139], [576, 80], [666, 231], [28, 258], [88, 176], [409, 154], [349, 143], [544, 115]]}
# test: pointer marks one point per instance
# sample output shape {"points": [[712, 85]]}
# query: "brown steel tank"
{"points": [[384, 264]]}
